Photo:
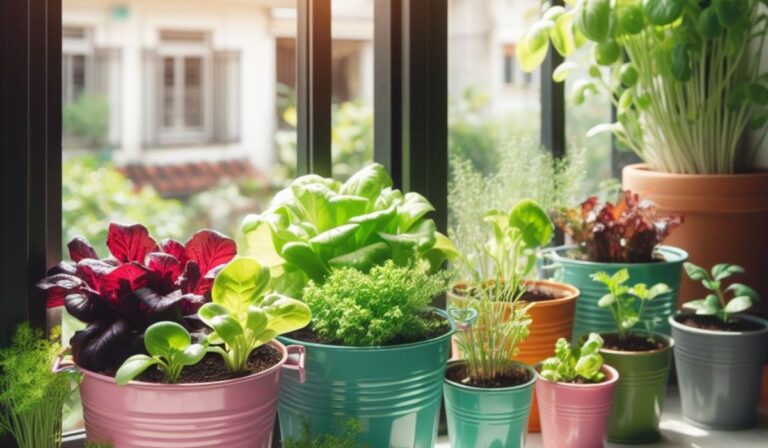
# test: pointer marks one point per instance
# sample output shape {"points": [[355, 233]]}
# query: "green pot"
{"points": [[394, 391], [640, 391], [479, 417], [590, 317]]}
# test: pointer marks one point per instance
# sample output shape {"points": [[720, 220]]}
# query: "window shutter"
{"points": [[226, 96], [152, 79], [107, 83]]}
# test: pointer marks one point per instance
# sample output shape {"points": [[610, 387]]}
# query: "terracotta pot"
{"points": [[726, 216], [575, 415], [237, 413], [552, 320]]}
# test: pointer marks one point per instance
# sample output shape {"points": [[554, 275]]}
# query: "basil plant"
{"points": [[684, 75], [571, 363], [244, 315], [717, 303], [318, 224]]}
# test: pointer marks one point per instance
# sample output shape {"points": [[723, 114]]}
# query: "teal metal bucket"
{"points": [[394, 391], [488, 418], [590, 317]]}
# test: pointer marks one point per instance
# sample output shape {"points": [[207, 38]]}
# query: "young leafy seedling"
{"points": [[243, 316], [570, 363], [169, 346], [621, 300], [716, 304]]}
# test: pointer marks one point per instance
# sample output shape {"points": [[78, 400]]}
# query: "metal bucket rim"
{"points": [[496, 389], [350, 348], [668, 339], [194, 386], [679, 256], [729, 334], [611, 373]]}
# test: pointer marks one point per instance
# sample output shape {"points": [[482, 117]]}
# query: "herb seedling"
{"points": [[571, 363], [170, 348], [243, 316], [621, 298], [716, 304]]}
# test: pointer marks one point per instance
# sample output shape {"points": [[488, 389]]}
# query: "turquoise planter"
{"points": [[393, 391], [592, 318], [488, 418]]}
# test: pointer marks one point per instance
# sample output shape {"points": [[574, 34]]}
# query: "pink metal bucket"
{"points": [[575, 415], [238, 413]]}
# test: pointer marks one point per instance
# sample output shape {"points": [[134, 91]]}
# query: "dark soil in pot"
{"points": [[632, 343], [712, 323], [213, 368], [437, 325], [530, 295], [458, 373]]}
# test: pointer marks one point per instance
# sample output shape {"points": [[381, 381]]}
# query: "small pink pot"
{"points": [[238, 413], [575, 415]]}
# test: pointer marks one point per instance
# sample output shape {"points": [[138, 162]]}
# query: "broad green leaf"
{"points": [[631, 18], [758, 119], [286, 314], [628, 74], [421, 236], [695, 305], [731, 12], [757, 93], [640, 290], [257, 320], [740, 289], [606, 52], [345, 207], [533, 222], [221, 321], [709, 24], [368, 182], [371, 222], [629, 322], [738, 304], [602, 277], [260, 241], [593, 19], [240, 284], [163, 338], [328, 242], [695, 272], [443, 250], [712, 285], [563, 70], [657, 290], [592, 345], [663, 12], [606, 301], [191, 355], [561, 34], [621, 276], [532, 48], [315, 200], [711, 305], [133, 367], [364, 258], [625, 101], [413, 208], [587, 366], [681, 65], [724, 270], [302, 256]]}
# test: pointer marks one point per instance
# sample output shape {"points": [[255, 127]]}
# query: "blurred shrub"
{"points": [[85, 122]]}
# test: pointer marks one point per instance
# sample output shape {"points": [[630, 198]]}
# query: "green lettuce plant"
{"points": [[170, 348], [318, 224], [31, 395], [621, 301], [499, 267], [244, 315], [571, 363], [716, 303], [388, 303], [684, 75]]}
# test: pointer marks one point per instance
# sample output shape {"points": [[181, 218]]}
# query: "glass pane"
{"points": [[352, 86], [193, 92], [175, 127]]}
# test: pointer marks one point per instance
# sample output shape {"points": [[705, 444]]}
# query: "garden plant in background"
{"points": [[317, 224], [720, 352], [574, 393], [31, 396], [642, 359], [501, 269], [624, 234], [85, 122], [690, 81]]}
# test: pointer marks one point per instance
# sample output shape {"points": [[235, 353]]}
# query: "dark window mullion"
{"points": [[552, 103], [314, 87]]}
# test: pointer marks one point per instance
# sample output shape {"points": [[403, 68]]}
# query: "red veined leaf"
{"points": [[189, 279], [129, 243], [80, 248], [125, 279], [175, 248], [58, 286], [93, 272], [167, 268], [64, 267], [210, 249]]}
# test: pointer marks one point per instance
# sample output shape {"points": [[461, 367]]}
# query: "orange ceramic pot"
{"points": [[726, 216], [551, 320]]}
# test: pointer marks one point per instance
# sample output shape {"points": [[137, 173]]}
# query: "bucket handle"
{"points": [[296, 363], [62, 364]]}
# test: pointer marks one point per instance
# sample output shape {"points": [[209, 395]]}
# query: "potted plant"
{"points": [[687, 83], [140, 306], [642, 358], [611, 237], [502, 268], [376, 352], [719, 352], [575, 393], [31, 396], [487, 394]]}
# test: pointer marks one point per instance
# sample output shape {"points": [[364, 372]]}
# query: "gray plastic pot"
{"points": [[719, 373]]}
